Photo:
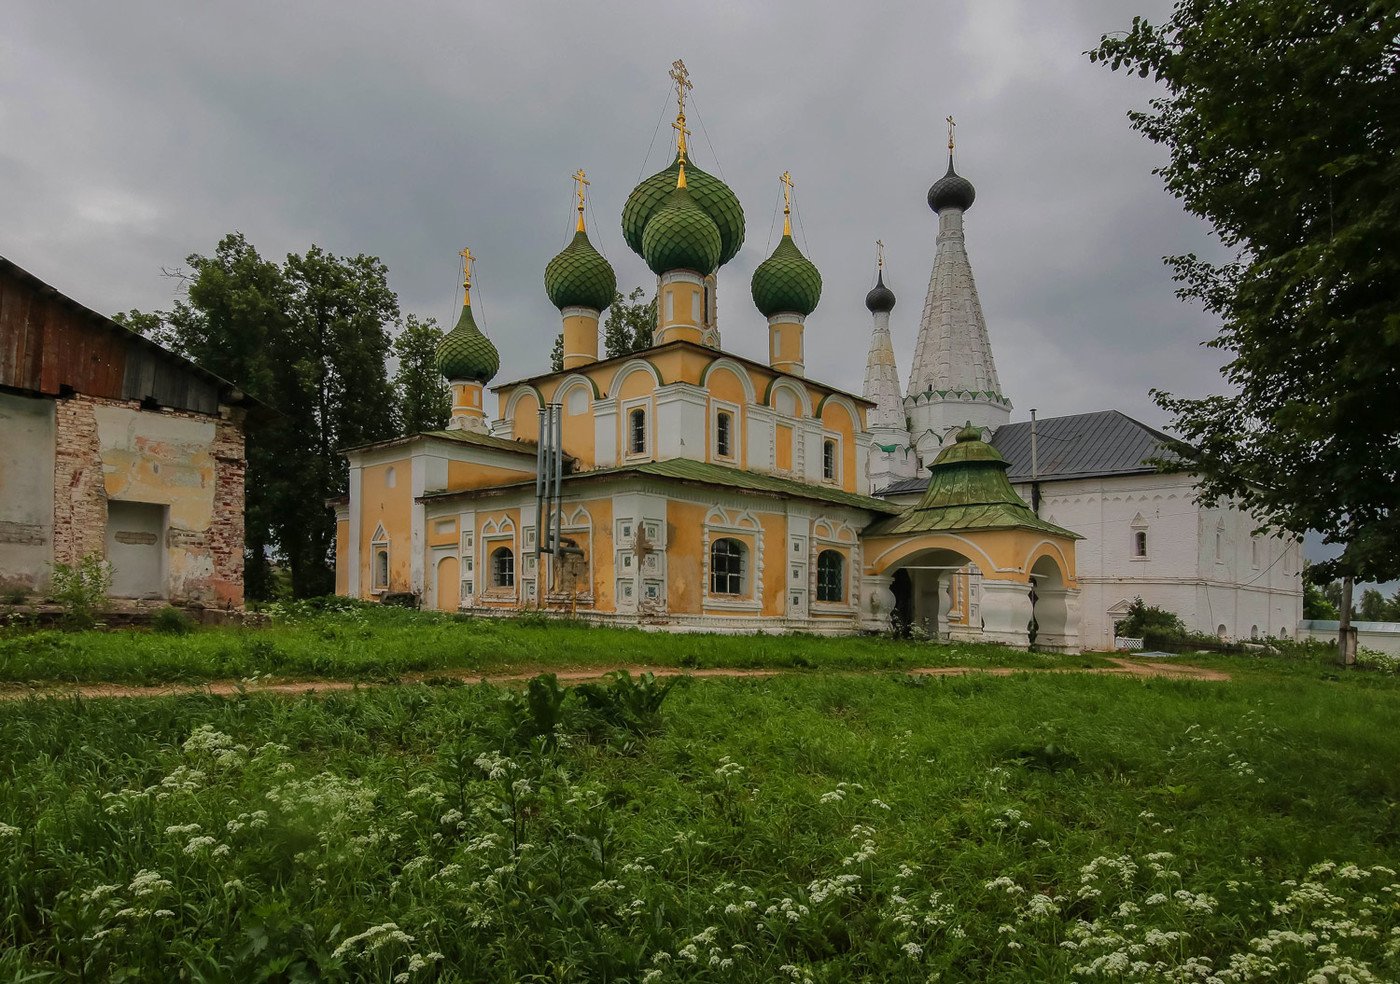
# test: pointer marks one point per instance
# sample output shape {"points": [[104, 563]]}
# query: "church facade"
{"points": [[687, 488]]}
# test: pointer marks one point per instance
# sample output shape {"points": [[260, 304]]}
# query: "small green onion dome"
{"points": [[580, 277], [465, 353], [709, 192], [786, 281], [681, 236]]}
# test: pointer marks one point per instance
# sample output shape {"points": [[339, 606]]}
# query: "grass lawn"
{"points": [[376, 643], [807, 827]]}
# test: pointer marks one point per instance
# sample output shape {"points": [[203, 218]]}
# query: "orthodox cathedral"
{"points": [[688, 488]]}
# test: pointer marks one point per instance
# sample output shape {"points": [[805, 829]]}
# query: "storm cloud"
{"points": [[136, 133]]}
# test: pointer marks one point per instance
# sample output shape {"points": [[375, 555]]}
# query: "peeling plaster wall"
{"points": [[26, 491], [192, 464]]}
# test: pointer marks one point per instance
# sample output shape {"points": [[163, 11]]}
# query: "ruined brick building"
{"points": [[113, 446]]}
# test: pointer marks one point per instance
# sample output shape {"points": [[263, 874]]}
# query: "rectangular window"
{"points": [[829, 460], [724, 424], [381, 567], [637, 432]]}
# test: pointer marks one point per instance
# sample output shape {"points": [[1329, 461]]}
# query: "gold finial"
{"points": [[466, 255], [951, 125], [580, 182], [681, 77], [680, 178], [786, 180], [879, 254]]}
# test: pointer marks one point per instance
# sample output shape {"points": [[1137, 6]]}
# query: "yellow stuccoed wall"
{"points": [[342, 552], [392, 508], [724, 385], [837, 418], [463, 475]]}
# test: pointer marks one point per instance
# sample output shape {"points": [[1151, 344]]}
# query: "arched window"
{"points": [[503, 567], [1140, 543], [724, 434], [829, 460], [381, 567], [831, 576], [727, 567], [637, 431]]}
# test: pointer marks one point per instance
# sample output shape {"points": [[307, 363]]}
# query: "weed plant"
{"points": [[803, 828]]}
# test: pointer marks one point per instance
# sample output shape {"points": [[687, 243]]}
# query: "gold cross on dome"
{"points": [[580, 182], [466, 255], [951, 125], [880, 254], [787, 183], [681, 77]]}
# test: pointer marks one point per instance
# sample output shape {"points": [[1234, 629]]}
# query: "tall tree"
{"points": [[336, 386], [425, 400], [1282, 123], [309, 338], [629, 324]]}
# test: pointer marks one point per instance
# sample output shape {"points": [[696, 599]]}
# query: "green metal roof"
{"points": [[457, 436], [704, 473], [968, 490], [786, 281], [580, 277]]}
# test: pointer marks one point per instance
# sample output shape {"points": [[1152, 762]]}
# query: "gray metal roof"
{"points": [[1082, 445]]}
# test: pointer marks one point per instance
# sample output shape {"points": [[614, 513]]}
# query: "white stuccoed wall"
{"points": [[1181, 572]]}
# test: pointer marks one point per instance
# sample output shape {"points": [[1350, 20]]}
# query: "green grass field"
{"points": [[376, 643], [807, 827]]}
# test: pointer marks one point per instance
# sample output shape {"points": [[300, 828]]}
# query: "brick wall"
{"points": [[80, 502], [79, 496]]}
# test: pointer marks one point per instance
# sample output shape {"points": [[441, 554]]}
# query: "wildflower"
{"points": [[913, 950], [199, 844], [7, 831]]}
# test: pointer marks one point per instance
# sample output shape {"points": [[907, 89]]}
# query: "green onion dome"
{"points": [[465, 353], [786, 281], [681, 236], [580, 277], [709, 192]]}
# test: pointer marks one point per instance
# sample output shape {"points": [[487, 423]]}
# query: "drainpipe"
{"points": [[1035, 469]]}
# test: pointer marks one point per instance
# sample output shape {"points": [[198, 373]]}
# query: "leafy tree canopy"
{"points": [[1282, 123], [425, 399]]}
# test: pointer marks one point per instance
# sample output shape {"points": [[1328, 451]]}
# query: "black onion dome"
{"points": [[880, 300], [951, 191]]}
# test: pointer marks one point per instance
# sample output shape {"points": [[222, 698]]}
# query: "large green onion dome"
{"points": [[580, 277], [465, 353], [786, 282], [681, 236], [708, 191]]}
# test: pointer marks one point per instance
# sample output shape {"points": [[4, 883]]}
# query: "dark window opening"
{"points": [[831, 576], [724, 425], [727, 567], [637, 432], [503, 567]]}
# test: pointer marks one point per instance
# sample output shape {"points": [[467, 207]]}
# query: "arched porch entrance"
{"points": [[980, 564]]}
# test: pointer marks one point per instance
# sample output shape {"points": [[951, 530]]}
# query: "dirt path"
{"points": [[230, 688]]}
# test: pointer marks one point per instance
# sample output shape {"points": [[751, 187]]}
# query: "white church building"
{"points": [[1145, 535]]}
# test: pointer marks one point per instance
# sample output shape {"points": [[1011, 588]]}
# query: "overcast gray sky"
{"points": [[136, 133]]}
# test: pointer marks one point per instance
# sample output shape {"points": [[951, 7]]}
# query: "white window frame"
{"points": [[745, 569], [380, 540], [844, 587], [643, 404], [718, 407], [720, 526], [495, 548], [837, 458], [1140, 531]]}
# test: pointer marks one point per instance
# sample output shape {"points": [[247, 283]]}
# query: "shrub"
{"points": [[172, 621], [1144, 620], [81, 590]]}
